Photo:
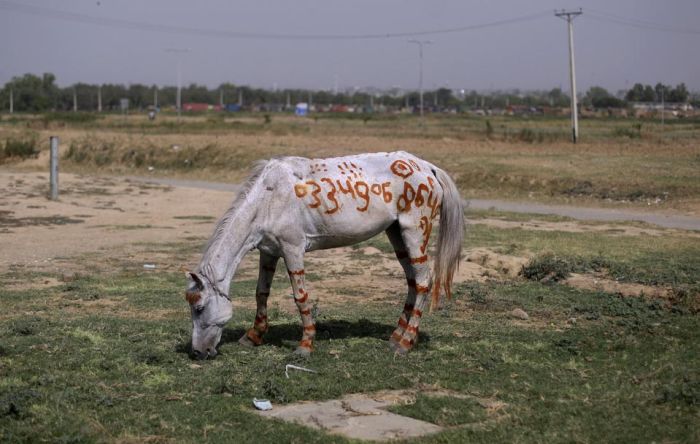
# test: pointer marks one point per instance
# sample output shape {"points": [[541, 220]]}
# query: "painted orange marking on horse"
{"points": [[303, 298], [401, 168], [421, 289], [317, 189], [412, 329], [427, 226], [403, 323], [419, 260], [395, 336], [403, 203], [193, 297], [296, 272], [254, 336], [300, 190], [417, 312], [364, 194], [405, 343], [386, 193], [310, 328], [306, 343], [305, 312], [331, 196]]}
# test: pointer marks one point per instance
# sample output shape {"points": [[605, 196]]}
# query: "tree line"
{"points": [[32, 93]]}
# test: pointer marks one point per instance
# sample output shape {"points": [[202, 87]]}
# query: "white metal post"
{"points": [[54, 168], [569, 17]]}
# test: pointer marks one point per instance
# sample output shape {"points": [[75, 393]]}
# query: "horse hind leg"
{"points": [[413, 238], [401, 251], [266, 273]]}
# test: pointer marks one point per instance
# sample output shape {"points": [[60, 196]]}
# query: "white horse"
{"points": [[292, 205]]}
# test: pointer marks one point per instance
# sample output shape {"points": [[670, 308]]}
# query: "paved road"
{"points": [[580, 213]]}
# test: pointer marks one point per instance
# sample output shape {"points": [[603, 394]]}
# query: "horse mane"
{"points": [[256, 171]]}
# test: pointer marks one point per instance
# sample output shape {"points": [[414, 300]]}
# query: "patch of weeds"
{"points": [[274, 391], [546, 267], [22, 147], [687, 391], [18, 404], [443, 411], [25, 327], [477, 292]]}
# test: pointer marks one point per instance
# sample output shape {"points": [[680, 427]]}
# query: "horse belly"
{"points": [[348, 228]]}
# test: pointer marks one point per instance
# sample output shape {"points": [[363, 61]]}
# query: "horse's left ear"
{"points": [[193, 278]]}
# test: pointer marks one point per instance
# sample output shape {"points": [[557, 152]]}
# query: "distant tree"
{"points": [[599, 97], [679, 94], [32, 93]]}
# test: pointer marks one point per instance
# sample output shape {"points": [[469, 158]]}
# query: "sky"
{"points": [[617, 43]]}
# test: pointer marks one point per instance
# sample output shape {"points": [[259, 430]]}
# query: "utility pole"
{"points": [[12, 101], [240, 97], [155, 96], [420, 44], [99, 98], [75, 100], [569, 16], [221, 97], [179, 52]]}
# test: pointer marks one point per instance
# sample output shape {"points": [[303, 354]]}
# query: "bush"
{"points": [[22, 147], [546, 268]]}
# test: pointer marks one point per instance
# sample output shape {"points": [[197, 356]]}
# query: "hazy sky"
{"points": [[618, 43]]}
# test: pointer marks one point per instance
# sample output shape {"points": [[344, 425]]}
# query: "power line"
{"points": [[40, 11], [607, 17]]}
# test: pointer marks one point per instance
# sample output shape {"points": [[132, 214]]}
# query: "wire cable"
{"points": [[607, 17], [40, 11]]}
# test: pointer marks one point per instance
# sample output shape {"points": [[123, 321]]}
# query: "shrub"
{"points": [[546, 268], [22, 147]]}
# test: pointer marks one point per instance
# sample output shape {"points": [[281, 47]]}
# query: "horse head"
{"points": [[211, 310]]}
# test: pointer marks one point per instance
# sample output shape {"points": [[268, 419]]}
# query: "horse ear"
{"points": [[193, 278]]}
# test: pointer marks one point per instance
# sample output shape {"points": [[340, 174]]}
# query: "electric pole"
{"points": [[420, 44], [12, 101], [75, 100], [569, 16], [179, 53], [99, 98]]}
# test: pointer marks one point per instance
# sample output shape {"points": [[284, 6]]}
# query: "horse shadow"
{"points": [[284, 335]]}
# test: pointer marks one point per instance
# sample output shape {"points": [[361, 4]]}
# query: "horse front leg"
{"points": [[266, 273], [295, 269]]}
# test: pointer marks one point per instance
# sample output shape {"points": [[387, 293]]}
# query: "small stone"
{"points": [[519, 314], [571, 321]]}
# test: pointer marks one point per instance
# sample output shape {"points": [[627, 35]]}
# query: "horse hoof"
{"points": [[246, 342], [303, 352]]}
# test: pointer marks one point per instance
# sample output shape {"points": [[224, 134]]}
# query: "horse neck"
{"points": [[233, 238]]}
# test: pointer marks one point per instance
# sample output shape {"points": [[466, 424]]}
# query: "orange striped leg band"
{"points": [[306, 343], [254, 336]]}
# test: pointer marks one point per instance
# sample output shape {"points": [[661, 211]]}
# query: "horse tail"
{"points": [[450, 236]]}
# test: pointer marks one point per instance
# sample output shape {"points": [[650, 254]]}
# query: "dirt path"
{"points": [[580, 213]]}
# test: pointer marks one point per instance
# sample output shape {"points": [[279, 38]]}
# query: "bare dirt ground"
{"points": [[120, 220]]}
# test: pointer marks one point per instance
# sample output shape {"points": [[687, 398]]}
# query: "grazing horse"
{"points": [[292, 205]]}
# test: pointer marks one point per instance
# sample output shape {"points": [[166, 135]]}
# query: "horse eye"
{"points": [[198, 309]]}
